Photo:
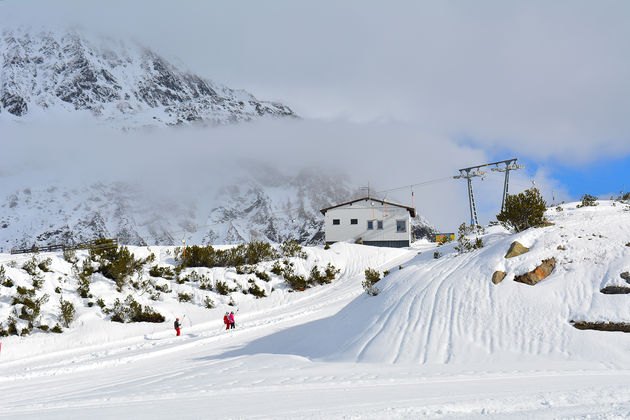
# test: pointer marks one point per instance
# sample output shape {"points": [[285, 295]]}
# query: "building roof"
{"points": [[411, 210]]}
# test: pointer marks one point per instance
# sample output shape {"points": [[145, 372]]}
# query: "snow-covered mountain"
{"points": [[260, 205], [53, 74]]}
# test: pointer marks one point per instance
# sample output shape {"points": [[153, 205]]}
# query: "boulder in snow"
{"points": [[498, 276], [626, 276], [539, 273], [516, 249], [615, 290]]}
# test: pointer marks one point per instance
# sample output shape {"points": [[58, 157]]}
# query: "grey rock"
{"points": [[516, 249], [498, 277]]}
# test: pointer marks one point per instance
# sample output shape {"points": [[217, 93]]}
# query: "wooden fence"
{"points": [[62, 247]]}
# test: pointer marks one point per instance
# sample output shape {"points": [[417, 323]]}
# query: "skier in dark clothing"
{"points": [[177, 326]]}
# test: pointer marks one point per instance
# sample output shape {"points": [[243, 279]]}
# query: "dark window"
{"points": [[336, 221], [354, 221], [401, 226], [379, 224], [370, 224]]}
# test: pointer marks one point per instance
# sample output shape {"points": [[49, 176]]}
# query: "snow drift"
{"points": [[447, 310]]}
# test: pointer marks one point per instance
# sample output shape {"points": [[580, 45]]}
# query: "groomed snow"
{"points": [[439, 341]]}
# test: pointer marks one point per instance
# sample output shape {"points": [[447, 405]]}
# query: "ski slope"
{"points": [[439, 341]]}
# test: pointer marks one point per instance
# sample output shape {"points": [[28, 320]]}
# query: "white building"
{"points": [[369, 221]]}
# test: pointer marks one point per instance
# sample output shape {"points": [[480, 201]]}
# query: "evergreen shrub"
{"points": [[244, 254], [256, 291], [184, 297], [371, 277], [67, 312], [523, 210], [588, 201]]}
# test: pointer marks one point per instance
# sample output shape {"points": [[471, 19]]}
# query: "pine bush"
{"points": [[221, 287], [184, 297], [588, 201], [255, 290], [67, 312], [371, 277], [292, 248], [524, 210]]}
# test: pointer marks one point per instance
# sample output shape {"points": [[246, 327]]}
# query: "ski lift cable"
{"points": [[431, 181]]}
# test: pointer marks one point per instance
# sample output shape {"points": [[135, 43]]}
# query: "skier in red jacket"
{"points": [[226, 321]]}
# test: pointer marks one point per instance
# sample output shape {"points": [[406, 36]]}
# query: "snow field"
{"points": [[439, 341]]}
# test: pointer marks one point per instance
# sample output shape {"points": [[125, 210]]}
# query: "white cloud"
{"points": [[539, 79]]}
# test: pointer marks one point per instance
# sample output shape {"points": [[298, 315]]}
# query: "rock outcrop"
{"points": [[124, 85], [615, 290], [539, 273]]}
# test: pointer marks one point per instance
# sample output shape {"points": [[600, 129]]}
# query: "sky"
{"points": [[404, 92]]}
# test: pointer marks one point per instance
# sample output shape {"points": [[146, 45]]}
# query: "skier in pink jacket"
{"points": [[231, 319]]}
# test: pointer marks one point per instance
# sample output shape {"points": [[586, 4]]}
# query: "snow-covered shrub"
{"points": [[256, 291], [316, 276], [245, 269], [209, 303], [623, 196], [164, 272], [116, 263], [221, 287], [56, 329], [463, 243], [294, 281], [326, 246], [330, 272], [162, 288], [292, 248], [66, 312], [588, 201], [70, 256], [244, 254], [38, 282], [84, 277], [371, 277], [12, 326], [205, 284], [132, 311], [184, 297], [45, 265], [262, 275], [31, 267], [4, 279], [524, 210], [276, 268], [30, 307]]}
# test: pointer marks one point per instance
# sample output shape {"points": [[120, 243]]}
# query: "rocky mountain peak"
{"points": [[125, 85]]}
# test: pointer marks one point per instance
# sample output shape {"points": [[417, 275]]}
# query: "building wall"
{"points": [[364, 211]]}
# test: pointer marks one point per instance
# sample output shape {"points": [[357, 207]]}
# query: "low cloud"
{"points": [[394, 159]]}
